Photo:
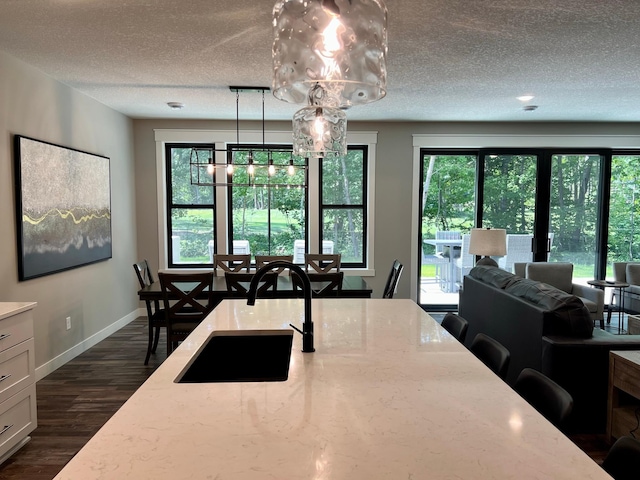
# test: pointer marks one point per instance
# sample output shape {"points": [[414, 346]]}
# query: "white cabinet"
{"points": [[17, 376]]}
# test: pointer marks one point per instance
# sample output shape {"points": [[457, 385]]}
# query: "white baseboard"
{"points": [[55, 363]]}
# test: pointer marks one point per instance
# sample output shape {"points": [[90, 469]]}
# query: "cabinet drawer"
{"points": [[16, 329], [627, 377], [17, 369], [17, 418]]}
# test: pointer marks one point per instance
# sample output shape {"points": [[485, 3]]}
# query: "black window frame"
{"points": [[170, 206], [363, 206]]}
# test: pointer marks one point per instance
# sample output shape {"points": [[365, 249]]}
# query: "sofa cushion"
{"points": [[590, 304], [493, 276], [557, 274], [633, 273], [570, 316]]}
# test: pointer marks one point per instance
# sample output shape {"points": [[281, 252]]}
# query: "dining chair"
{"points": [[545, 395], [322, 284], [231, 263], [187, 300], [492, 353], [456, 326], [156, 318], [238, 282], [391, 286], [623, 460], [262, 260], [322, 262]]}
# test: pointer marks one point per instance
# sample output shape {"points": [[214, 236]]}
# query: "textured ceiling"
{"points": [[449, 60]]}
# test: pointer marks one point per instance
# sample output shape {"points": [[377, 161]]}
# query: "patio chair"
{"points": [[518, 250], [466, 260]]}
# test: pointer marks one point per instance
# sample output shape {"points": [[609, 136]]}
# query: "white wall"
{"points": [[98, 297]]}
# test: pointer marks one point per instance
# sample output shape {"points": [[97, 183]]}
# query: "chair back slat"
{"points": [[188, 299], [326, 284], [322, 262], [231, 263], [392, 280], [263, 260], [238, 282], [143, 272]]}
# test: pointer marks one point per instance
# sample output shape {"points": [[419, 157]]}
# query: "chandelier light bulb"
{"points": [[210, 168], [291, 170], [230, 169], [250, 169], [272, 170]]}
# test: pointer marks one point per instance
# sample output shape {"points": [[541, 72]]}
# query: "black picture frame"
{"points": [[63, 207]]}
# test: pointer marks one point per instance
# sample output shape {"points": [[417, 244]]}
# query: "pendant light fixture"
{"points": [[329, 55], [259, 165]]}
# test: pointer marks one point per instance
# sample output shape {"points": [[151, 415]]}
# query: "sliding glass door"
{"points": [[447, 206], [509, 202], [573, 212], [550, 202], [624, 217]]}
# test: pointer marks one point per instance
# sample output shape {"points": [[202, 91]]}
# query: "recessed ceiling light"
{"points": [[525, 98], [175, 105]]}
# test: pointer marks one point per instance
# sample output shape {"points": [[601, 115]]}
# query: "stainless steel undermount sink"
{"points": [[241, 356]]}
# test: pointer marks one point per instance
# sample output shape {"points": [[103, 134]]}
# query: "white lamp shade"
{"points": [[338, 45], [319, 132], [488, 242]]}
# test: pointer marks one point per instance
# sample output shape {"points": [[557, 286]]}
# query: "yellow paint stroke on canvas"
{"points": [[65, 215]]}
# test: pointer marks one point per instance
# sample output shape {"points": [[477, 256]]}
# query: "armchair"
{"points": [[560, 275], [628, 272]]}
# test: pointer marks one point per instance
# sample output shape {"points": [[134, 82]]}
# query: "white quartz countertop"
{"points": [[8, 309], [388, 394]]}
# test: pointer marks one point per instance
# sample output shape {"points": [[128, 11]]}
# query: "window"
{"points": [[268, 218], [327, 202], [343, 213], [190, 212]]}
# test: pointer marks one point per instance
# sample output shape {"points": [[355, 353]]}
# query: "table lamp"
{"points": [[488, 242]]}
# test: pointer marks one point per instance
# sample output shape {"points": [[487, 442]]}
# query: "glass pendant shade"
{"points": [[338, 45], [320, 132]]}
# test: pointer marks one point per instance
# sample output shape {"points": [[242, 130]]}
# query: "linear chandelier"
{"points": [[329, 55], [244, 165]]}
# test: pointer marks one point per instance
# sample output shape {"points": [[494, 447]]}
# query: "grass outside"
{"points": [[579, 271]]}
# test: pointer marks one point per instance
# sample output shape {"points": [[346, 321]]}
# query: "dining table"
{"points": [[353, 286]]}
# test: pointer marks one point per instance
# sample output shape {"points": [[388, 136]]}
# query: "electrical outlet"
{"points": [[68, 323]]}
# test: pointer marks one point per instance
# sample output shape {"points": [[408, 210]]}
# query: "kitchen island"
{"points": [[388, 394]]}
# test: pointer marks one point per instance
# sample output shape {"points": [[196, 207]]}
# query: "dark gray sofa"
{"points": [[546, 329]]}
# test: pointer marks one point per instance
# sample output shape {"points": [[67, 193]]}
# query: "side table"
{"points": [[602, 284], [624, 393]]}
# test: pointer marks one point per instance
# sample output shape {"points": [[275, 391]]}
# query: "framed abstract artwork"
{"points": [[63, 207]]}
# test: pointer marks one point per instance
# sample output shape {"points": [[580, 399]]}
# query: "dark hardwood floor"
{"points": [[79, 397]]}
